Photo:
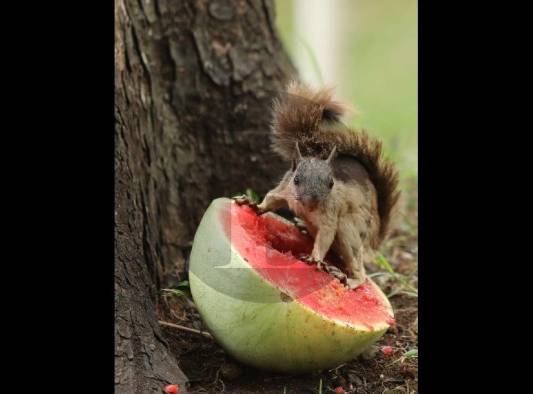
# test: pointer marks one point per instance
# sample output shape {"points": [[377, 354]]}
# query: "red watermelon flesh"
{"points": [[270, 246]]}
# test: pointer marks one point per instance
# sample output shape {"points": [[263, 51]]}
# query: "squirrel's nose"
{"points": [[310, 200], [313, 198]]}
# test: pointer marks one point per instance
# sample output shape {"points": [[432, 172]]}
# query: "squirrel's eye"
{"points": [[331, 184], [296, 180]]}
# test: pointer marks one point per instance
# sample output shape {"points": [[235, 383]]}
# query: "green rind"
{"points": [[250, 320]]}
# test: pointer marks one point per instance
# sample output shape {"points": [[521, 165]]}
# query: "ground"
{"points": [[381, 370]]}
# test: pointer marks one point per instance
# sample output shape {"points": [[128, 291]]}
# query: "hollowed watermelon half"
{"points": [[269, 309]]}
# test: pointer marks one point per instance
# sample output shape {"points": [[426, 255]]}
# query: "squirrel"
{"points": [[339, 184]]}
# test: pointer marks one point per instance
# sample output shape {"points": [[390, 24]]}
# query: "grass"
{"points": [[252, 195], [403, 282], [384, 263], [182, 289], [413, 353]]}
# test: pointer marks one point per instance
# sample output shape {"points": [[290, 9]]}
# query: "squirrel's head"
{"points": [[312, 179]]}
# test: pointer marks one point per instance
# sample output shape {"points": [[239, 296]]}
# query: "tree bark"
{"points": [[193, 84]]}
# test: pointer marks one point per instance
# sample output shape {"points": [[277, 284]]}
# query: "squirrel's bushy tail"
{"points": [[313, 118]]}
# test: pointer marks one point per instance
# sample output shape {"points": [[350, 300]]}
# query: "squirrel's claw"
{"points": [[307, 258], [320, 264], [350, 283], [245, 200], [337, 273], [300, 225]]}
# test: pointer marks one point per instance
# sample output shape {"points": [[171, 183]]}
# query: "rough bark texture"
{"points": [[193, 85]]}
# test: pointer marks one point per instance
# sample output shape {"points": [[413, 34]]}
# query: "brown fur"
{"points": [[312, 118]]}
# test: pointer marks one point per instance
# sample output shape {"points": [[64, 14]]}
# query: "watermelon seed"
{"points": [[284, 297]]}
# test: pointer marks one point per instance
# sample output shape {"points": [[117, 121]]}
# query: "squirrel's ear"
{"points": [[298, 151], [331, 155], [297, 159]]}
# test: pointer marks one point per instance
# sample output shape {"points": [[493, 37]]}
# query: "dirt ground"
{"points": [[381, 370]]}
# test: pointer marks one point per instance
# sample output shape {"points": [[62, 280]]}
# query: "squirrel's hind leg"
{"points": [[350, 248], [357, 271]]}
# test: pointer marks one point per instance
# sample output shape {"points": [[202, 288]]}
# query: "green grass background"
{"points": [[379, 72]]}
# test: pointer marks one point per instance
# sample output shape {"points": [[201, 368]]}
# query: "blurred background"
{"points": [[368, 50]]}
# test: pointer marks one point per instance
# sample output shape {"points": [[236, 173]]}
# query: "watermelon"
{"points": [[269, 309]]}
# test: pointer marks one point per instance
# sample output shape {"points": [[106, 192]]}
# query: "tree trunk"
{"points": [[193, 84]]}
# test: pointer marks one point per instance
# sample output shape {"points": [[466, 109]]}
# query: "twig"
{"points": [[217, 379], [183, 328]]}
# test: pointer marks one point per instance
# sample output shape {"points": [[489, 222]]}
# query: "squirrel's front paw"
{"points": [[337, 273], [330, 269], [311, 260], [245, 200]]}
